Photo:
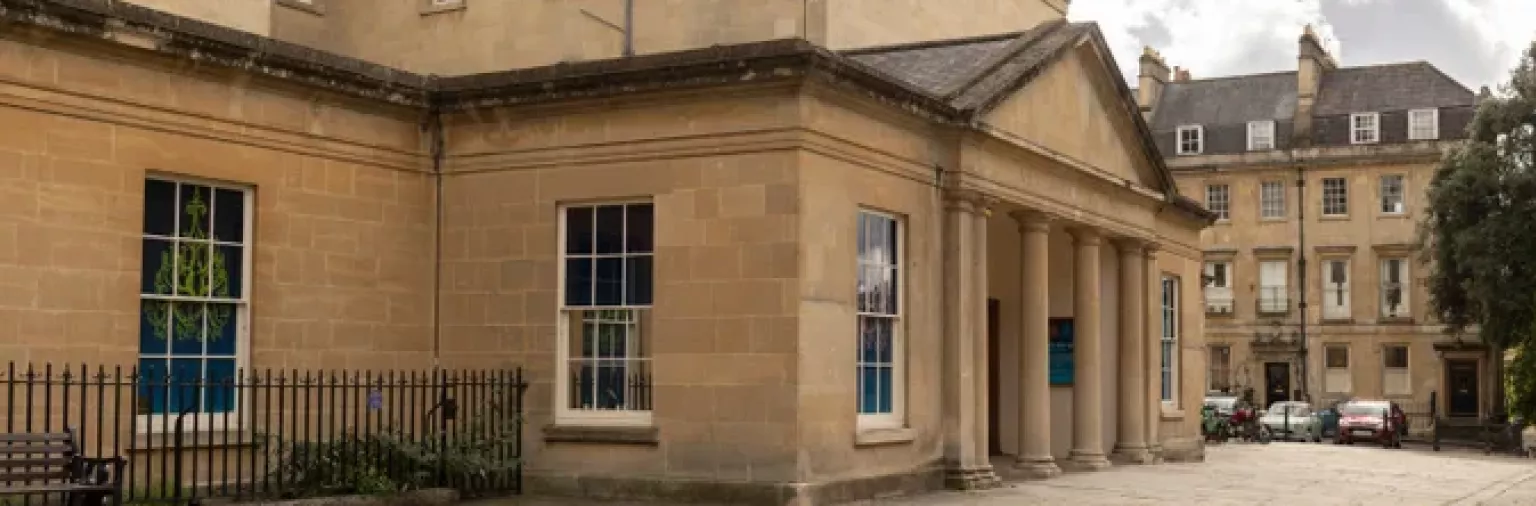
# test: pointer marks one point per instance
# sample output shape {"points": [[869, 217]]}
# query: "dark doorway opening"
{"points": [[1461, 376], [1277, 382], [994, 371]]}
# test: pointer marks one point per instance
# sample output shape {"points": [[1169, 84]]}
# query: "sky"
{"points": [[1474, 41]]}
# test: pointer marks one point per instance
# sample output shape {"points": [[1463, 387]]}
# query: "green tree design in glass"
{"points": [[192, 269]]}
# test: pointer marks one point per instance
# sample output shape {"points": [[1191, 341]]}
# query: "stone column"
{"points": [[1034, 451], [963, 333], [984, 476], [1153, 339], [1087, 377], [1130, 431]]}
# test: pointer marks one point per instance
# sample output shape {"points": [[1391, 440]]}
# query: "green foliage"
{"points": [[1479, 234], [391, 461]]}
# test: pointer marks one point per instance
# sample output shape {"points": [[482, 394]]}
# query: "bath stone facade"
{"points": [[761, 273], [1340, 157]]}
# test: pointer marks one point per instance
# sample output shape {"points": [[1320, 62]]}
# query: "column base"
{"points": [[971, 478], [1085, 460], [1156, 450], [1133, 453], [1037, 468]]}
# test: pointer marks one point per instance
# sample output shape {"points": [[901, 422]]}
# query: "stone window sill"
{"points": [[1172, 414], [1400, 320], [315, 7], [638, 435], [884, 437], [431, 7], [1338, 321], [1333, 217]]}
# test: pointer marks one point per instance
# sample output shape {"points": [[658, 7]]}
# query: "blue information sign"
{"points": [[1061, 351]]}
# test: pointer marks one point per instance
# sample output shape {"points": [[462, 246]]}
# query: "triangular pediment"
{"points": [[1073, 109]]}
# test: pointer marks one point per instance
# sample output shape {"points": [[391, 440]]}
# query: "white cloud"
{"points": [[1227, 37], [1209, 37]]}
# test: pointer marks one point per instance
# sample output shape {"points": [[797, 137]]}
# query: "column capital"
{"points": [[1150, 250], [1032, 221], [1086, 236], [969, 201], [1128, 246]]}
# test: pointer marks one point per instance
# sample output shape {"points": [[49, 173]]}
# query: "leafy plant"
{"points": [[392, 461]]}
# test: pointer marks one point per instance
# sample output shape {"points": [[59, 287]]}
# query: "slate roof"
{"points": [[1223, 106], [973, 73], [1226, 101], [1395, 87]]}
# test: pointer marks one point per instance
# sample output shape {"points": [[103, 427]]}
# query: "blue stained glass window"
{"points": [[877, 301], [192, 286]]}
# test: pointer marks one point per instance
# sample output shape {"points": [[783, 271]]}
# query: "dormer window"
{"points": [[1423, 124], [1364, 128], [1191, 140], [1261, 135]]}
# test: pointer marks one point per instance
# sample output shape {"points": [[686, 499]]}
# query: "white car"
{"points": [[1293, 420]]}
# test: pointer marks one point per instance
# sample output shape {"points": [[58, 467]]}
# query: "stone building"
{"points": [[1340, 158], [748, 262]]}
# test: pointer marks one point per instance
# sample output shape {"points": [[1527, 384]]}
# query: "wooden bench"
{"points": [[49, 464]]}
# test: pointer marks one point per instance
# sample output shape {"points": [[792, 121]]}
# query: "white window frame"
{"points": [[1334, 292], [1423, 124], [1272, 200], [896, 418], [1338, 199], [1347, 379], [1218, 294], [1405, 370], [1198, 140], [1169, 342], [1404, 284], [1394, 202], [564, 414], [1261, 135], [1365, 128], [1222, 206], [1274, 290], [155, 423]]}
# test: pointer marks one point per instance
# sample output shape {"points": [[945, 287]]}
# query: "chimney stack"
{"points": [[1180, 75], [1150, 82], [1312, 62]]}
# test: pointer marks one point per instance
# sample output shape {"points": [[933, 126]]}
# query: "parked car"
{"points": [[1292, 420], [1223, 403], [1371, 421]]}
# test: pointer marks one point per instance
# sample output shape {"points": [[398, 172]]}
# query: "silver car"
{"points": [[1293, 420]]}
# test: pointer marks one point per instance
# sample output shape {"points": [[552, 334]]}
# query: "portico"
{"points": [[1041, 268]]}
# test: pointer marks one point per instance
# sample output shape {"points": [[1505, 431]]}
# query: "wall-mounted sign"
{"points": [[1062, 343]]}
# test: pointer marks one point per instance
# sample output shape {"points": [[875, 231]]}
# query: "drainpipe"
{"points": [[434, 127], [629, 27], [1301, 261]]}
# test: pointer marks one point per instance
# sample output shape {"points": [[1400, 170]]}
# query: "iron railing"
{"points": [[248, 435]]}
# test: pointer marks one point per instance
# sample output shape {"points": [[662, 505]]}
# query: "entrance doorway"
{"points": [[994, 372], [1461, 375], [1277, 382]]}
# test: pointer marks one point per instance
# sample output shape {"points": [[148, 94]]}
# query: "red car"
{"points": [[1371, 421]]}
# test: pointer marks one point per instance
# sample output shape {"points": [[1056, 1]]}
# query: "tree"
{"points": [[1479, 234]]}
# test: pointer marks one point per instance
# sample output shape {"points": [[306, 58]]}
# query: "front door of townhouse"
{"points": [[994, 372], [1277, 382], [1461, 375]]}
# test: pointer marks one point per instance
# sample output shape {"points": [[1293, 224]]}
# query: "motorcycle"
{"points": [[1246, 427]]}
